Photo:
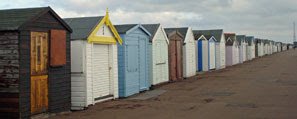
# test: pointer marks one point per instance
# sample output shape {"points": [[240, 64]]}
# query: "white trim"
{"points": [[202, 36], [213, 38]]}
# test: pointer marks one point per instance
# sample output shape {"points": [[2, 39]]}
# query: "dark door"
{"points": [[39, 72], [179, 60], [173, 60]]}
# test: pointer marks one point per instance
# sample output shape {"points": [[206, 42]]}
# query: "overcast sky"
{"points": [[268, 19]]}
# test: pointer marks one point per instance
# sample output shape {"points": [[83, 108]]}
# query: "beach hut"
{"points": [[251, 47], [242, 47], [274, 47], [175, 54], [231, 49], [270, 47], [202, 52], [218, 34], [35, 63], [262, 47], [290, 46], [284, 46], [159, 67], [266, 45], [258, 48], [189, 63], [94, 66], [278, 45], [133, 59]]}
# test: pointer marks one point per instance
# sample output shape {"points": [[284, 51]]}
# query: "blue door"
{"points": [[199, 55], [132, 60], [143, 63]]}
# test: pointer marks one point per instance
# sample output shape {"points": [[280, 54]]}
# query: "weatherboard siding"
{"points": [[244, 54], [9, 74], [114, 74], [160, 70], [89, 73], [222, 53], [122, 66], [189, 63], [78, 75]]}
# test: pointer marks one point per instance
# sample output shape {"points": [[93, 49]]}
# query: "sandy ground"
{"points": [[264, 88]]}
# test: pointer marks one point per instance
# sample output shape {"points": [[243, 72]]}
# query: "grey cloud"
{"points": [[270, 19]]}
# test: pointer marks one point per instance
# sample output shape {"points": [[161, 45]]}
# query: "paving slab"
{"points": [[148, 95]]}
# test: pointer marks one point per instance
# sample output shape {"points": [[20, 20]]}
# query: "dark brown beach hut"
{"points": [[175, 54], [34, 62]]}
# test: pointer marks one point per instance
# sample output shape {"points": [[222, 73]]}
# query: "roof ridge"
{"points": [[84, 17], [24, 8]]}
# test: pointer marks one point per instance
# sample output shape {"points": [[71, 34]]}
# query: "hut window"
{"points": [[132, 58], [58, 48], [103, 30], [38, 54]]}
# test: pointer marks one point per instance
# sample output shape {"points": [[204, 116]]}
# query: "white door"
{"points": [[212, 55], [100, 70], [205, 54]]}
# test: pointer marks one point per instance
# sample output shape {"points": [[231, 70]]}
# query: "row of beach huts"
{"points": [[51, 65]]}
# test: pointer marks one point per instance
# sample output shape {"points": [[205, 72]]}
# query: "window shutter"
{"points": [[58, 48]]}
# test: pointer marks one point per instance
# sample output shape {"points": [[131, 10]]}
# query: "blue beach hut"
{"points": [[133, 59]]}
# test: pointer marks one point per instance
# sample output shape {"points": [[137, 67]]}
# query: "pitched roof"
{"points": [[250, 39], [182, 30], [240, 38], [266, 41], [168, 31], [258, 40], [176, 32], [217, 33], [124, 28], [13, 19], [232, 39], [152, 28], [82, 26], [198, 34]]}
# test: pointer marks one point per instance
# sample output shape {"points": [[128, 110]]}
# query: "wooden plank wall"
{"points": [[9, 74]]}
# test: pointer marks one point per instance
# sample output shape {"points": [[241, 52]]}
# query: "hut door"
{"points": [[132, 61], [142, 66], [101, 79], [39, 72], [212, 55], [173, 62], [205, 54], [179, 68]]}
